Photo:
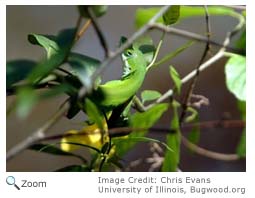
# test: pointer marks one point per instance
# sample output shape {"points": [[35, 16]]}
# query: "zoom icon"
{"points": [[10, 180]]}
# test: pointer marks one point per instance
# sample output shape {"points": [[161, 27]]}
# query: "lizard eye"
{"points": [[128, 53]]}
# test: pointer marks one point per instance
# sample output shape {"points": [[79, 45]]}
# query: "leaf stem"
{"points": [[99, 32], [207, 153], [156, 52], [83, 30]]}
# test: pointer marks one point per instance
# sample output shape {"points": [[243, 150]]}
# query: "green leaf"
{"points": [[64, 40], [53, 44], [105, 148], [145, 45], [45, 67], [235, 71], [93, 113], [241, 42], [26, 99], [74, 107], [244, 13], [18, 70], [172, 15], [172, 159], [241, 148], [194, 135], [193, 116], [176, 79], [149, 118], [98, 10], [83, 66], [74, 168], [49, 45], [242, 109], [50, 149], [143, 15], [197, 11], [148, 95], [142, 120]]}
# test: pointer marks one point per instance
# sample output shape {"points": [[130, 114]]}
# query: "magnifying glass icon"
{"points": [[10, 180]]}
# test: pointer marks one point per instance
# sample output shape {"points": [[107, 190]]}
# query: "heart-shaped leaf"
{"points": [[235, 71]]}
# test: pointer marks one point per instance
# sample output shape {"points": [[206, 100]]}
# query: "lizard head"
{"points": [[132, 58]]}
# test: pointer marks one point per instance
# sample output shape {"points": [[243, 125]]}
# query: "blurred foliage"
{"points": [[65, 72]]}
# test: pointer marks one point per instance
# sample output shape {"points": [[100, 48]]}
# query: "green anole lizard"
{"points": [[112, 96], [117, 92]]}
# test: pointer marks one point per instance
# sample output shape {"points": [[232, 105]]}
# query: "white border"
{"points": [[125, 2], [82, 184]]}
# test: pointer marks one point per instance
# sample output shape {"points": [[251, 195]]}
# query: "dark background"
{"points": [[119, 20]]}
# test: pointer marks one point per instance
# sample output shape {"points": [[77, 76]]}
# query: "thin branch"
{"points": [[156, 52], [123, 131], [207, 153], [205, 65], [83, 30], [98, 31], [216, 57], [194, 80], [77, 27], [193, 36], [188, 77], [185, 141], [64, 71], [117, 132], [38, 134]]}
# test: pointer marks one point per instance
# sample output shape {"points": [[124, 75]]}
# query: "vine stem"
{"points": [[194, 80], [193, 36], [207, 153], [156, 52], [188, 77], [99, 32]]}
